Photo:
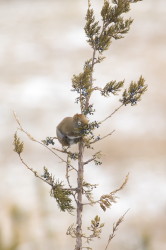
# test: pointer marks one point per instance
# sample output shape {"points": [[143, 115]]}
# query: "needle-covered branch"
{"points": [[114, 25], [59, 192], [92, 27], [112, 87], [95, 228], [18, 144], [133, 94]]}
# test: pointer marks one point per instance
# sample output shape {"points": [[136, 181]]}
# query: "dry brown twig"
{"points": [[122, 186], [115, 228], [111, 114], [111, 195], [34, 140], [33, 171]]}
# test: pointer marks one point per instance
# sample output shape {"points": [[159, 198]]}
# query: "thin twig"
{"points": [[122, 186], [88, 161], [38, 176], [62, 151], [93, 158], [99, 139], [97, 88], [68, 178], [111, 193], [33, 139], [112, 113], [115, 228], [90, 203], [32, 170]]}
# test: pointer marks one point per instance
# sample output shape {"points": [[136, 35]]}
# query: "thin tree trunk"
{"points": [[80, 176], [79, 197]]}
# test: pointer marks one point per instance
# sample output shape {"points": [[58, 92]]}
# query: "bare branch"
{"points": [[40, 177], [112, 113], [101, 138], [61, 151], [88, 161], [33, 171]]}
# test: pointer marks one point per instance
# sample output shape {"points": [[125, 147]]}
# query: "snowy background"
{"points": [[42, 44]]}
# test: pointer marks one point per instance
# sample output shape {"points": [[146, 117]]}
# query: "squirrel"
{"points": [[69, 129]]}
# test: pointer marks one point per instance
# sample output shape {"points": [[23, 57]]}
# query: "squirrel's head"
{"points": [[80, 120]]}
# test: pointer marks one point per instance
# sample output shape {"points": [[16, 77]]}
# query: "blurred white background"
{"points": [[42, 44]]}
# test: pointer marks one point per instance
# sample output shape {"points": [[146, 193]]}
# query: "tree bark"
{"points": [[79, 197]]}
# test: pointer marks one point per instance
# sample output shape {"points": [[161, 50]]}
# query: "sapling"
{"points": [[72, 199]]}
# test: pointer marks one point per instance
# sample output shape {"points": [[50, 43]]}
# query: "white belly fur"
{"points": [[71, 138]]}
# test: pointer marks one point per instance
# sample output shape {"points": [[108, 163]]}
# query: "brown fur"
{"points": [[68, 130]]}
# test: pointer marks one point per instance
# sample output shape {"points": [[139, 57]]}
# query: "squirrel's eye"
{"points": [[79, 123]]}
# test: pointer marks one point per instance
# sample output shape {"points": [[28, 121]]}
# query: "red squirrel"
{"points": [[69, 129]]}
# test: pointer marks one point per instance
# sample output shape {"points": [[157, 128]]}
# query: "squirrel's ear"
{"points": [[75, 117]]}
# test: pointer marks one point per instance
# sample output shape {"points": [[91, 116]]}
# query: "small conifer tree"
{"points": [[113, 25]]}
